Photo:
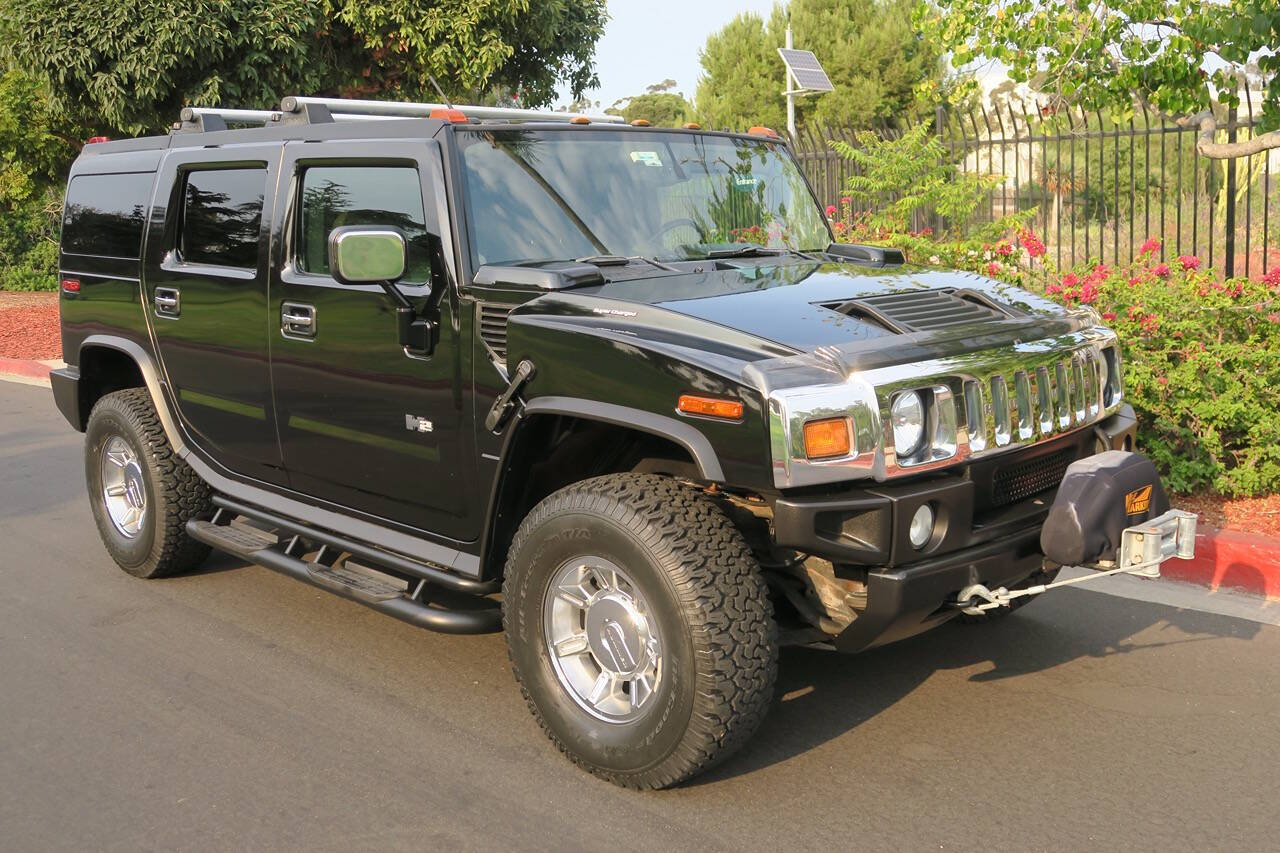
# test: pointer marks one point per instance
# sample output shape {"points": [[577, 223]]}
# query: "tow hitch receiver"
{"points": [[1110, 515]]}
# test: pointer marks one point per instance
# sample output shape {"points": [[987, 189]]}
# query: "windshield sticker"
{"points": [[648, 158], [745, 183]]}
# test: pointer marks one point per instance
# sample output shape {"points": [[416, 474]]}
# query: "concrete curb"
{"points": [[1230, 559], [28, 371]]}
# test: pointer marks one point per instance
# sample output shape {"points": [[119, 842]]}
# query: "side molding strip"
{"points": [[680, 432], [355, 528]]}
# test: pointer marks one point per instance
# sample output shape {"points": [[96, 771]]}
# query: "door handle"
{"points": [[168, 301], [297, 320]]}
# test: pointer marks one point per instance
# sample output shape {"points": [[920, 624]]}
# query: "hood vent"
{"points": [[493, 328], [923, 310]]}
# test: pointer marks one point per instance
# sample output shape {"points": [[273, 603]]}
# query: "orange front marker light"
{"points": [[579, 120], [826, 438], [709, 407], [759, 130]]}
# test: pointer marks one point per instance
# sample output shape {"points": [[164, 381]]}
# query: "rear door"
{"points": [[363, 423], [206, 293]]}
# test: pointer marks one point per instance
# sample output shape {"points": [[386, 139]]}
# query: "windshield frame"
{"points": [[466, 224]]}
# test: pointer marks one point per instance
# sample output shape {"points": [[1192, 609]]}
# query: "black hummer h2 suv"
{"points": [[612, 389]]}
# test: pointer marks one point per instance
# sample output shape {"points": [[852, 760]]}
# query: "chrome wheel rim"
{"points": [[124, 491], [604, 643]]}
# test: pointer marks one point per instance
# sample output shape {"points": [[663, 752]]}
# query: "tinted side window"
{"points": [[104, 214], [362, 195], [221, 217]]}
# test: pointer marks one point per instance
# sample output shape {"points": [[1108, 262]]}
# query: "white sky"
{"points": [[647, 41]]}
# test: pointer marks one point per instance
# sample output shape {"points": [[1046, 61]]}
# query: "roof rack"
{"points": [[297, 109]]}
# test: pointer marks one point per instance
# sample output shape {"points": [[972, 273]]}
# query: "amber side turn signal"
{"points": [[826, 438], [709, 407]]}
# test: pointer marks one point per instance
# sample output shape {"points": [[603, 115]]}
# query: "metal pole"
{"points": [[791, 84]]}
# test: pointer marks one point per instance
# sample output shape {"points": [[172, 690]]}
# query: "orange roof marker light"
{"points": [[760, 130], [95, 139], [709, 407], [579, 120], [640, 122], [691, 125], [452, 115]]}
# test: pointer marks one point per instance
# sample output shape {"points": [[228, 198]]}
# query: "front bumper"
{"points": [[989, 515], [905, 601]]}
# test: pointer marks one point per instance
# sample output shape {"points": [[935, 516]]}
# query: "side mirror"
{"points": [[366, 254]]}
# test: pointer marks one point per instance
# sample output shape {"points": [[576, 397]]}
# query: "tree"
{"points": [[1188, 60], [129, 71], [742, 77], [868, 48], [37, 144], [661, 109]]}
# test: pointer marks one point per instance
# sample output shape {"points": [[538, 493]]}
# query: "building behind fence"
{"points": [[1100, 188]]}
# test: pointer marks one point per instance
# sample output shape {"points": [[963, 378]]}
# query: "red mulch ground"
{"points": [[1248, 515], [29, 325], [29, 329]]}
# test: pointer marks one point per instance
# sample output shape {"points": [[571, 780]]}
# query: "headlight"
{"points": [[907, 416]]}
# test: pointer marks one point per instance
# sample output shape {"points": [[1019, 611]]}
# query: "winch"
{"points": [[1110, 515]]}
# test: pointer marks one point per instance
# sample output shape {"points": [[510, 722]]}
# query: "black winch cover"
{"points": [[1099, 497]]}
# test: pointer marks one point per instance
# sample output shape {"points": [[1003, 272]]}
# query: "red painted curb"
{"points": [[1231, 559], [25, 367]]}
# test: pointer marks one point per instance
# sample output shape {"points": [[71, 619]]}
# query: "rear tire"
{"points": [[141, 493], [639, 628]]}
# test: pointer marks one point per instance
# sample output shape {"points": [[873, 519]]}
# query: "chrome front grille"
{"points": [[1027, 404], [1004, 398]]}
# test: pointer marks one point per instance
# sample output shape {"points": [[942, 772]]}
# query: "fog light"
{"points": [[921, 530]]}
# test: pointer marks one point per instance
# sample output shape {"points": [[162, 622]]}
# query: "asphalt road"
{"points": [[237, 709]]}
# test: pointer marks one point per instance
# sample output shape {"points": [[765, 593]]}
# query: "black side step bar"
{"points": [[407, 605], [360, 550]]}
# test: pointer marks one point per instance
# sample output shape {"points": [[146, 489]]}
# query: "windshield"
{"points": [[549, 195]]}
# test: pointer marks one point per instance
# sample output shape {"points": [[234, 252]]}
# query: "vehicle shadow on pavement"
{"points": [[823, 694]]}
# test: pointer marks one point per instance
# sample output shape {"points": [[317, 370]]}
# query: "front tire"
{"points": [[639, 628], [141, 493]]}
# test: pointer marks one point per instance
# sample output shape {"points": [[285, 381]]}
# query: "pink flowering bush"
{"points": [[1201, 366], [1201, 355]]}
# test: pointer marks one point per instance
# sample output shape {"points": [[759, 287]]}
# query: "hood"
{"points": [[805, 306]]}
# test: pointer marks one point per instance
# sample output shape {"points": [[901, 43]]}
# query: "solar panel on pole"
{"points": [[806, 70]]}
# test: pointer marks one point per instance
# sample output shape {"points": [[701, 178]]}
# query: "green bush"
{"points": [[1202, 367], [1201, 356]]}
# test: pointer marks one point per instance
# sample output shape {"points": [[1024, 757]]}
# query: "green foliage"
{"points": [[742, 77], [660, 109], [1202, 368], [128, 69], [868, 48], [1100, 56], [912, 174], [36, 146]]}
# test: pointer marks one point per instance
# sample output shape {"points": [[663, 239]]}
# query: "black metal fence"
{"points": [[1100, 188]]}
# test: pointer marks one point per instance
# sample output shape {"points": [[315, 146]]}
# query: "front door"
{"points": [[364, 423], [206, 294]]}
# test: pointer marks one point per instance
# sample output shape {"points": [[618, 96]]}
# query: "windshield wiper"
{"points": [[743, 252], [620, 261]]}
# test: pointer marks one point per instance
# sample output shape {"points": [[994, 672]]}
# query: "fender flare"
{"points": [[150, 375], [681, 432]]}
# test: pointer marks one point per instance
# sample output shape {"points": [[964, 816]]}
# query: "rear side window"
{"points": [[222, 217], [104, 214], [333, 196]]}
